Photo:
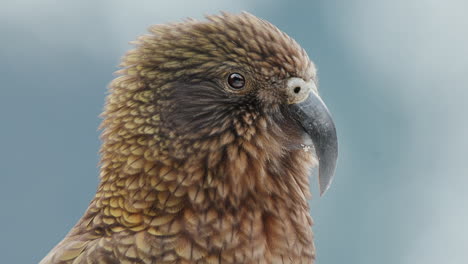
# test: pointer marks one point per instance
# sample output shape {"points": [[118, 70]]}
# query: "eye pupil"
{"points": [[236, 80]]}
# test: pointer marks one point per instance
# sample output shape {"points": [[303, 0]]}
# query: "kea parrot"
{"points": [[205, 150]]}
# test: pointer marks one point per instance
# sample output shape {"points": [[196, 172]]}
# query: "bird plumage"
{"points": [[191, 170]]}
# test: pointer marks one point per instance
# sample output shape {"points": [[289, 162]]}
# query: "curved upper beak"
{"points": [[317, 121]]}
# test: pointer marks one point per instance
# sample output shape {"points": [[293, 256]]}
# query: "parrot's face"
{"points": [[235, 78], [242, 99]]}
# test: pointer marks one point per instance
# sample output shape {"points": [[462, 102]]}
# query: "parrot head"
{"points": [[198, 87]]}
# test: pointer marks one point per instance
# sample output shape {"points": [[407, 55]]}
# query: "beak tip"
{"points": [[324, 188], [326, 175]]}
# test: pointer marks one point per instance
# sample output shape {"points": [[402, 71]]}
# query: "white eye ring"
{"points": [[298, 89]]}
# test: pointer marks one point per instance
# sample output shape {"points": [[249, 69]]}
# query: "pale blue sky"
{"points": [[393, 73]]}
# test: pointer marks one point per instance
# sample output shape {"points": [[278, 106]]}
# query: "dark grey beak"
{"points": [[316, 120]]}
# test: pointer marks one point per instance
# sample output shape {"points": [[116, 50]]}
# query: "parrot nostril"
{"points": [[297, 89]]}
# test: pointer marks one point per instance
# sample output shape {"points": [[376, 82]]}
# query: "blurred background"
{"points": [[393, 73]]}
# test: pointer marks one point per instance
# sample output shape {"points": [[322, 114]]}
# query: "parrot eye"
{"points": [[236, 81]]}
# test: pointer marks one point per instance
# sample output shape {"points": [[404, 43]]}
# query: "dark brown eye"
{"points": [[236, 81]]}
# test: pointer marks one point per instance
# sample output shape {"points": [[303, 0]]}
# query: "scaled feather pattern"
{"points": [[192, 170]]}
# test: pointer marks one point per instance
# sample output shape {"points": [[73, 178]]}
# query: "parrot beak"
{"points": [[314, 117]]}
